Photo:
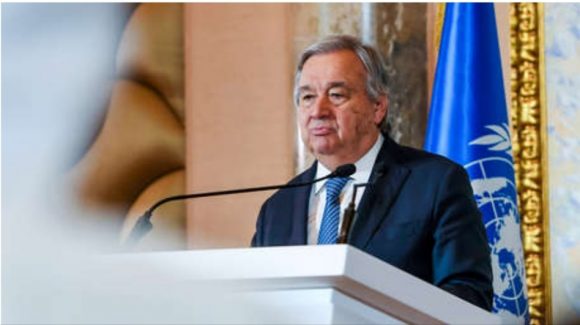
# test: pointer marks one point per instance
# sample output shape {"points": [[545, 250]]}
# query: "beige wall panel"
{"points": [[239, 115]]}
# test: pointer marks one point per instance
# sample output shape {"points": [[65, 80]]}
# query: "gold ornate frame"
{"points": [[528, 117]]}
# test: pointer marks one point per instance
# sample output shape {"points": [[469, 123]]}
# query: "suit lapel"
{"points": [[299, 216], [386, 180]]}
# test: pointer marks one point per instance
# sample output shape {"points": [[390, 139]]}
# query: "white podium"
{"points": [[334, 284]]}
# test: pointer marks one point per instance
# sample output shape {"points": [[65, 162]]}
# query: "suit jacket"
{"points": [[418, 215]]}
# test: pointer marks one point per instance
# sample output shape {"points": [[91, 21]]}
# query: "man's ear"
{"points": [[381, 108]]}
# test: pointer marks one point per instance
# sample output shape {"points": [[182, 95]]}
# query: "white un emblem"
{"points": [[495, 193]]}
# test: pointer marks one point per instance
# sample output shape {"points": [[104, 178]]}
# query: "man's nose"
{"points": [[321, 108]]}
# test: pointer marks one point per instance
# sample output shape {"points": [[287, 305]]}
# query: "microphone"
{"points": [[144, 225], [348, 217]]}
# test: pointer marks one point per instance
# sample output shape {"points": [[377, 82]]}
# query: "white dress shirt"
{"points": [[364, 167]]}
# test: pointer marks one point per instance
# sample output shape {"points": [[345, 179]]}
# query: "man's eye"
{"points": [[306, 98], [337, 97]]}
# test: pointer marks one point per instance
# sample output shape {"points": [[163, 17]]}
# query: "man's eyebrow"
{"points": [[304, 88], [330, 85], [335, 84]]}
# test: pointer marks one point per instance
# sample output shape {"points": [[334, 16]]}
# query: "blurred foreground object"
{"points": [[138, 156]]}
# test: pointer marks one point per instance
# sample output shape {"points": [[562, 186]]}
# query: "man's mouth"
{"points": [[321, 130]]}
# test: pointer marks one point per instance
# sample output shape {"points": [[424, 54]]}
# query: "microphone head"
{"points": [[344, 170]]}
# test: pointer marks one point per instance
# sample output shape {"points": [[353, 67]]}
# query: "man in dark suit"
{"points": [[418, 214]]}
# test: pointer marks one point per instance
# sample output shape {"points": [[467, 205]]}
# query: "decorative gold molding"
{"points": [[439, 17], [528, 116]]}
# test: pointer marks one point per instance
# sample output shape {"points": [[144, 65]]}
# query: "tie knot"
{"points": [[334, 187]]}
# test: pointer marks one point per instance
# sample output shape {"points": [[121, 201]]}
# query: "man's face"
{"points": [[338, 121]]}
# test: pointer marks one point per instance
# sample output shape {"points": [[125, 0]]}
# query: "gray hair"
{"points": [[371, 59]]}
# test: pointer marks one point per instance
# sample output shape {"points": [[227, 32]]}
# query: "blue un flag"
{"points": [[468, 123]]}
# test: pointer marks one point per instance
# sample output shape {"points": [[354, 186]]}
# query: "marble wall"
{"points": [[562, 45]]}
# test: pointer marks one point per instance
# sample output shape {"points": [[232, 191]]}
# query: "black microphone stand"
{"points": [[348, 217], [144, 225]]}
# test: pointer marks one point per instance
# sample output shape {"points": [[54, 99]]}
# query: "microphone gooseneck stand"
{"points": [[348, 217], [144, 225]]}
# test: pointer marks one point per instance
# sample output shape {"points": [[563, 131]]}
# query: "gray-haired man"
{"points": [[419, 214]]}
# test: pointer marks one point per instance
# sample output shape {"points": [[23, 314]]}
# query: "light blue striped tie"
{"points": [[329, 228]]}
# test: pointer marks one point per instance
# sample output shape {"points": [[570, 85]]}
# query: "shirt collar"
{"points": [[364, 166]]}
